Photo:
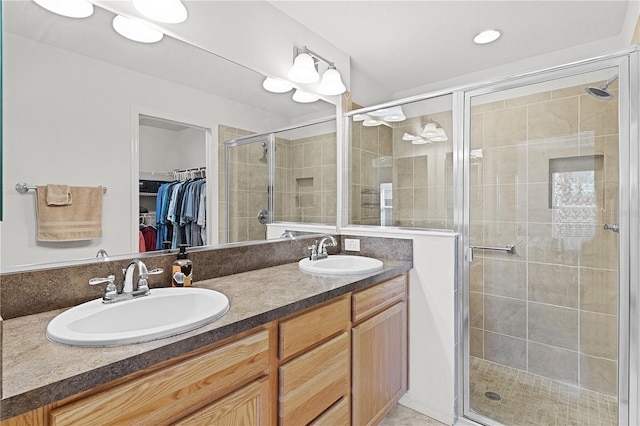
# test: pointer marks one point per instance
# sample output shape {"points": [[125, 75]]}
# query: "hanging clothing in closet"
{"points": [[181, 213]]}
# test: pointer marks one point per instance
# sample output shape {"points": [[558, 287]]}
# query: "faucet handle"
{"points": [[155, 271], [111, 289]]}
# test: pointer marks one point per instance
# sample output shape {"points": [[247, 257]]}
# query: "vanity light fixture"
{"points": [[275, 85], [441, 137], [359, 117], [166, 11], [420, 141], [304, 70], [69, 8], [136, 30], [487, 36], [370, 122], [331, 83], [429, 131], [304, 97]]}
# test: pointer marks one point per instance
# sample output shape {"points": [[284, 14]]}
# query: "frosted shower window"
{"points": [[573, 195], [401, 166]]}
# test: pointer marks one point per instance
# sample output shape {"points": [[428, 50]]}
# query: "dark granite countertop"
{"points": [[36, 372]]}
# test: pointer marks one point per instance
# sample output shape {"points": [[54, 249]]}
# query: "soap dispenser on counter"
{"points": [[182, 269]]}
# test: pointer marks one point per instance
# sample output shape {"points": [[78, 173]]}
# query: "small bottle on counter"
{"points": [[182, 269]]}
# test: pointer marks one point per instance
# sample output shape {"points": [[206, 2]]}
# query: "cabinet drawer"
{"points": [[303, 331], [337, 415], [374, 299], [249, 405], [313, 382], [166, 395]]}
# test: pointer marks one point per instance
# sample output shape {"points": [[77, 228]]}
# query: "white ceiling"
{"points": [[399, 45]]}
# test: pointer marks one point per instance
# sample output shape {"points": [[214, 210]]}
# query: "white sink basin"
{"points": [[163, 313], [340, 265]]}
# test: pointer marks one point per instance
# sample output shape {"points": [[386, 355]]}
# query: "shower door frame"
{"points": [[270, 140], [628, 271]]}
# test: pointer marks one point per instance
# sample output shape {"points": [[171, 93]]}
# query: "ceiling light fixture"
{"points": [[304, 97], [304, 70], [276, 85], [136, 30], [69, 8], [487, 36], [166, 11]]}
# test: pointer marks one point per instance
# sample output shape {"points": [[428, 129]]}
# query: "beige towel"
{"points": [[81, 220], [58, 195]]}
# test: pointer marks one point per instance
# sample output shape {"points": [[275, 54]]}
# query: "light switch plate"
{"points": [[351, 244]]}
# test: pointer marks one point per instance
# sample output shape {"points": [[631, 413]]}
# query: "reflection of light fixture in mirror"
{"points": [[167, 11], [370, 122], [430, 130], [419, 141], [331, 83], [303, 69], [69, 8], [409, 137], [304, 97], [136, 30], [441, 137], [392, 114], [359, 117], [276, 86]]}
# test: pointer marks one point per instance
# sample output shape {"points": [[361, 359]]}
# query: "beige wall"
{"points": [[551, 309]]}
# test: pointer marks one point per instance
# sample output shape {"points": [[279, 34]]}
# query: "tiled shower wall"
{"points": [[306, 187], [421, 175], [550, 309]]}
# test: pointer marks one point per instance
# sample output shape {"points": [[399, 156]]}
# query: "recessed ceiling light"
{"points": [[70, 8], [487, 37], [136, 30]]}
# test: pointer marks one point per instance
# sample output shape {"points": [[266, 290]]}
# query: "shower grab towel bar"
{"points": [[22, 188], [509, 248]]}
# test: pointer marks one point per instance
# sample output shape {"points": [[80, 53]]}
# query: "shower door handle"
{"points": [[611, 227], [509, 248]]}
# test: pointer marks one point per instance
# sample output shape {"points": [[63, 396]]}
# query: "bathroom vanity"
{"points": [[294, 348]]}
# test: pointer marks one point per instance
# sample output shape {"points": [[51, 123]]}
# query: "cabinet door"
{"points": [[248, 406], [164, 396], [314, 381], [379, 364]]}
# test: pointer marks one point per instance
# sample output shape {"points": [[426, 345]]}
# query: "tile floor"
{"points": [[403, 416], [528, 399]]}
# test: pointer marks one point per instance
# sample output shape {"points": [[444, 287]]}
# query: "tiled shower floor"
{"points": [[528, 399]]}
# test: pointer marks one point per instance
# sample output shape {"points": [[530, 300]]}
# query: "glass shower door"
{"points": [[543, 252], [248, 196]]}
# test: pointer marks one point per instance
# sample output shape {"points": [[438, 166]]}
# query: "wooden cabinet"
{"points": [[167, 395], [379, 350], [314, 370], [250, 405], [340, 363]]}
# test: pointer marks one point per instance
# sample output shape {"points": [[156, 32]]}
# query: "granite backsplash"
{"points": [[36, 291]]}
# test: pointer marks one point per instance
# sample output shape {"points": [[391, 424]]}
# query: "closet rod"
{"points": [[22, 187]]}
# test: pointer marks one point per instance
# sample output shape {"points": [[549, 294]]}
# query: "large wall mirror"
{"points": [[76, 95]]}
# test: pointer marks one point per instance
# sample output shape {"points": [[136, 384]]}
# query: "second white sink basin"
{"points": [[164, 312], [340, 265]]}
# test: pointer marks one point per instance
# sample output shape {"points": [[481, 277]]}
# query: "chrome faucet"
{"points": [[319, 249], [111, 293]]}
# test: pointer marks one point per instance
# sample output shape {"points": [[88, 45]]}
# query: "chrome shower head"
{"points": [[601, 92]]}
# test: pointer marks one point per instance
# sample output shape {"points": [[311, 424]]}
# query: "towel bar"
{"points": [[22, 187]]}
